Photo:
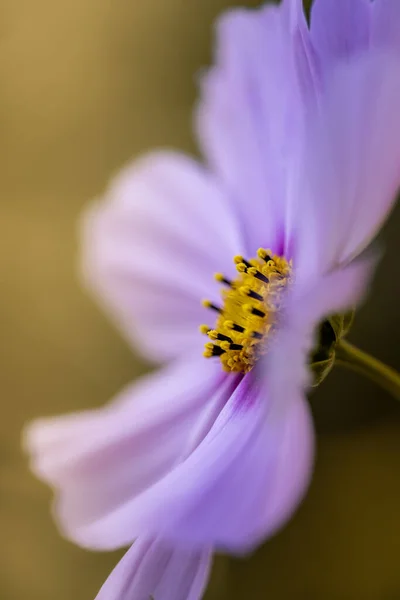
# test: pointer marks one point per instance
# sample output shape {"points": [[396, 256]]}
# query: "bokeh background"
{"points": [[86, 85]]}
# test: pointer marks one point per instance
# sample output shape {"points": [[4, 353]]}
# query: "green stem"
{"points": [[352, 358]]}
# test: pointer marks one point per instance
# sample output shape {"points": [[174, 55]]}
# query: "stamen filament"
{"points": [[256, 273], [215, 335], [234, 326], [222, 279], [208, 304], [235, 347], [256, 296], [254, 311], [264, 254]]}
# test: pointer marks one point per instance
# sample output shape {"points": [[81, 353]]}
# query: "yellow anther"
{"points": [[245, 290], [250, 303], [241, 267], [204, 329], [213, 334]]}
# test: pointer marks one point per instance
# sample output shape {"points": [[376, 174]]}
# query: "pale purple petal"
{"points": [[295, 14], [153, 570], [249, 118], [285, 369], [99, 460], [195, 455], [351, 169], [333, 293], [340, 28], [307, 306], [386, 24], [241, 483], [151, 247]]}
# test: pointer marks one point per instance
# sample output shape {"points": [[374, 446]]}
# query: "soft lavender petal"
{"points": [[99, 460], [240, 484], [294, 10], [351, 167], [296, 337], [386, 24], [154, 570], [308, 305], [151, 247], [340, 28], [333, 293], [249, 119]]}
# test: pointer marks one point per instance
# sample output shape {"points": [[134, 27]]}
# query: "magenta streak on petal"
{"points": [[242, 481], [248, 118], [99, 461], [228, 384], [97, 509]]}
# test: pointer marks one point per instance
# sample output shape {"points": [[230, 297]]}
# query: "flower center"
{"points": [[248, 315]]}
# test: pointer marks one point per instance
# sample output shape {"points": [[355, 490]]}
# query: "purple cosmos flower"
{"points": [[301, 133]]}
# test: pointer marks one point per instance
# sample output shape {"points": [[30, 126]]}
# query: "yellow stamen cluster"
{"points": [[250, 305]]}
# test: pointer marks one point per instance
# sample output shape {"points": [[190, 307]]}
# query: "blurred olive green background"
{"points": [[85, 85]]}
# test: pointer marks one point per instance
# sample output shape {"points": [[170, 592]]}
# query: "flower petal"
{"points": [[152, 570], [249, 119], [151, 249], [241, 483], [386, 24], [351, 168], [296, 337], [307, 306], [340, 28], [99, 460]]}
